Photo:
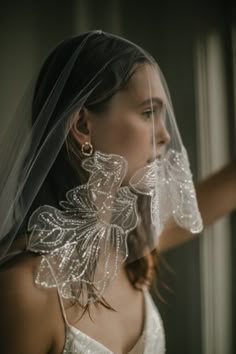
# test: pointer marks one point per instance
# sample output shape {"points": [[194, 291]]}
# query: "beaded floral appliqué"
{"points": [[84, 243], [169, 183]]}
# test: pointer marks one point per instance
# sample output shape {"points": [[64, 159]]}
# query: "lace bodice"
{"points": [[152, 340]]}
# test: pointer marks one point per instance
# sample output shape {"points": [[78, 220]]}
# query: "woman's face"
{"points": [[134, 121]]}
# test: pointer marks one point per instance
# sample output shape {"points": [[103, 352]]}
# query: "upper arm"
{"points": [[24, 323]]}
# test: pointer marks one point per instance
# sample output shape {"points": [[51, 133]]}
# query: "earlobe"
{"points": [[80, 127]]}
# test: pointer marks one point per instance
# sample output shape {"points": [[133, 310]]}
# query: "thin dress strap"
{"points": [[62, 307], [59, 296]]}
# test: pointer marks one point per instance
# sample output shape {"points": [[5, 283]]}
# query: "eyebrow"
{"points": [[153, 100]]}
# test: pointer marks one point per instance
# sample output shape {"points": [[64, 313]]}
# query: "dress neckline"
{"points": [[101, 346]]}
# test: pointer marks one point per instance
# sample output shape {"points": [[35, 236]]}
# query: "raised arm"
{"points": [[216, 197]]}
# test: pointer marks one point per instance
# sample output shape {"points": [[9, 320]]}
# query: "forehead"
{"points": [[146, 83]]}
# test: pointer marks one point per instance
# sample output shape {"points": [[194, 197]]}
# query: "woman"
{"points": [[103, 173]]}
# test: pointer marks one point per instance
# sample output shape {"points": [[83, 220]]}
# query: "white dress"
{"points": [[152, 340]]}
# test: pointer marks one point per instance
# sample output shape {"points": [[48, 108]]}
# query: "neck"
{"points": [[119, 289]]}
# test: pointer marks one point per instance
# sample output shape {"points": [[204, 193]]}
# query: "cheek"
{"points": [[130, 138], [126, 136], [134, 141]]}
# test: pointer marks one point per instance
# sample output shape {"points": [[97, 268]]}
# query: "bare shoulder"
{"points": [[18, 273], [24, 309], [17, 283]]}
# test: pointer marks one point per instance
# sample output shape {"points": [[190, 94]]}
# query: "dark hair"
{"points": [[105, 62]]}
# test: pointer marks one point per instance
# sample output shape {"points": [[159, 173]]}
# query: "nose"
{"points": [[162, 135]]}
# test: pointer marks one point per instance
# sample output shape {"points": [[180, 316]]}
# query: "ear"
{"points": [[81, 126]]}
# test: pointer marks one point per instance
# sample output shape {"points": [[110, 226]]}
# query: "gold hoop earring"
{"points": [[87, 149]]}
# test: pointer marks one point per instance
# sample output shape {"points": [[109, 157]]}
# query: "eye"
{"points": [[149, 113]]}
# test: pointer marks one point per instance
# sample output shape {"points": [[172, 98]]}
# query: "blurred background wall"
{"points": [[194, 43]]}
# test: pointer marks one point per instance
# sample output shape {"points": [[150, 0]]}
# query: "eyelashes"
{"points": [[148, 113], [151, 112]]}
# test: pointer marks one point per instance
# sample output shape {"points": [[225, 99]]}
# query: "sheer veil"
{"points": [[82, 215]]}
